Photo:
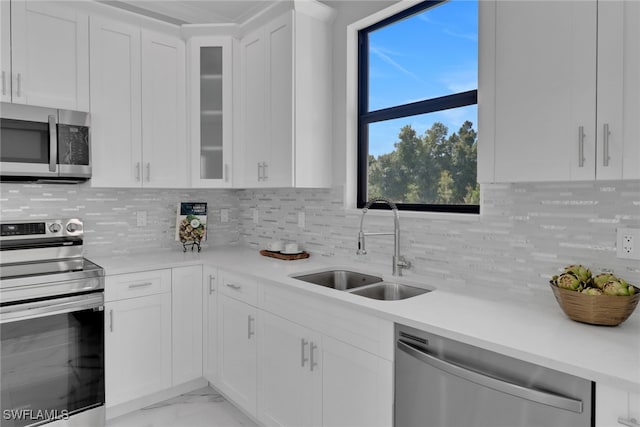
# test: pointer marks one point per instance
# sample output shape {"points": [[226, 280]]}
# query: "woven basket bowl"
{"points": [[596, 309]]}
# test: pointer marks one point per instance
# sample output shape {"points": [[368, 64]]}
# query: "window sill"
{"points": [[448, 216]]}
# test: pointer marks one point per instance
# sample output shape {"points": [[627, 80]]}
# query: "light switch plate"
{"points": [[628, 243]]}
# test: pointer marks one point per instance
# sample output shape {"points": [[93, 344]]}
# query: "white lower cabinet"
{"points": [[186, 323], [210, 327], [290, 374], [357, 387], [137, 335], [615, 407], [237, 355]]}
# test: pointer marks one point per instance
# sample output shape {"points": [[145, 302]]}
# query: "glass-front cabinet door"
{"points": [[210, 111]]}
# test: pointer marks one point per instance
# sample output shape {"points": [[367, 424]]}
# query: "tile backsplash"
{"points": [[526, 232]]}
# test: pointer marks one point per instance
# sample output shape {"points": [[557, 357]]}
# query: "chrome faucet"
{"points": [[399, 261]]}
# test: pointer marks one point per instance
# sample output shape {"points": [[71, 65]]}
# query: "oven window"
{"points": [[52, 367], [24, 142]]}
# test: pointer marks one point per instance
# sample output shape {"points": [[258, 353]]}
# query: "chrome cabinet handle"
{"points": [[53, 144], [630, 422], [303, 357], [211, 286], [137, 171], [259, 171], [111, 320], [19, 85], [234, 287], [4, 83], [581, 158], [148, 172], [265, 175], [500, 385], [605, 144], [250, 332], [140, 285], [312, 362]]}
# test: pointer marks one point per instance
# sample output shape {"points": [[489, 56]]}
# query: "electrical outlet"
{"points": [[628, 243], [256, 216], [301, 220], [224, 215], [141, 218]]}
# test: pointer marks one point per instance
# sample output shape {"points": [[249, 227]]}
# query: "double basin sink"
{"points": [[361, 284]]}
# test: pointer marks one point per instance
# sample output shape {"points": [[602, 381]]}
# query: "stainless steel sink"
{"points": [[341, 280], [389, 291]]}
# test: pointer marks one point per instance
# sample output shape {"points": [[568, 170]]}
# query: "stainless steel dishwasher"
{"points": [[444, 383]]}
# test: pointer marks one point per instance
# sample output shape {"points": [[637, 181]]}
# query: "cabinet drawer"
{"points": [[240, 287], [123, 286]]}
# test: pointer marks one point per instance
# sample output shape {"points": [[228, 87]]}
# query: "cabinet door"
{"points": [[137, 347], [286, 384], [210, 329], [618, 152], [164, 147], [237, 352], [116, 132], [280, 116], [255, 129], [357, 387], [186, 319], [5, 50], [50, 55], [545, 93], [210, 88]]}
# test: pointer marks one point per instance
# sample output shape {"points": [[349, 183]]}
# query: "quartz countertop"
{"points": [[531, 329]]}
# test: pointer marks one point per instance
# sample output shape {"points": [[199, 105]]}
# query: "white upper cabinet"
{"points": [[548, 93], [285, 137], [164, 147], [210, 108], [115, 104], [45, 54], [137, 107]]}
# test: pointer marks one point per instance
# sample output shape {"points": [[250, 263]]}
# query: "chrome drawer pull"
{"points": [[250, 332], [303, 358], [234, 287], [140, 285], [312, 363], [211, 286], [111, 320], [630, 422]]}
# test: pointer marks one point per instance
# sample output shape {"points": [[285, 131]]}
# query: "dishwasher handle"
{"points": [[503, 386]]}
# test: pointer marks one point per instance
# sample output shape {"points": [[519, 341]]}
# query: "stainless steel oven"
{"points": [[44, 143], [51, 326]]}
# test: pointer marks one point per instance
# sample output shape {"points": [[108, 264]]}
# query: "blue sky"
{"points": [[424, 56]]}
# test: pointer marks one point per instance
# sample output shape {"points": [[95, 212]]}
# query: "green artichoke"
{"points": [[582, 273], [614, 287], [568, 281], [603, 278], [592, 291]]}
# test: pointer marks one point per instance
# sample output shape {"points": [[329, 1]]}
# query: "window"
{"points": [[417, 111]]}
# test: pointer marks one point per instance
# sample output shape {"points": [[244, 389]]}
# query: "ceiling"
{"points": [[194, 11]]}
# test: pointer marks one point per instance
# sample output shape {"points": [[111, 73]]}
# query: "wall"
{"points": [[110, 214], [524, 235]]}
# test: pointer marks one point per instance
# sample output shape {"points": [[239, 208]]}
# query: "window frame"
{"points": [[366, 117]]}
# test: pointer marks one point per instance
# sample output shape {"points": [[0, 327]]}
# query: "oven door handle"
{"points": [[498, 384], [32, 310]]}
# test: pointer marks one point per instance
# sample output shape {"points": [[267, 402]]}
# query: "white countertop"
{"points": [[533, 330]]}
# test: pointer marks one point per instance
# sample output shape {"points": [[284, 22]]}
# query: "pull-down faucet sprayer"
{"points": [[399, 261]]}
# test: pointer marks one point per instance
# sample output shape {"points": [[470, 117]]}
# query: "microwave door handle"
{"points": [[53, 144]]}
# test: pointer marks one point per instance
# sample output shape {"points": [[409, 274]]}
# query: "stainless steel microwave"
{"points": [[38, 143]]}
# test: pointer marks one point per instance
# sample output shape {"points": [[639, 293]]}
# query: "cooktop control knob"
{"points": [[55, 227], [72, 226]]}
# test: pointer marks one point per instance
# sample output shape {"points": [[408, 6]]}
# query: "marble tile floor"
{"points": [[200, 408]]}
